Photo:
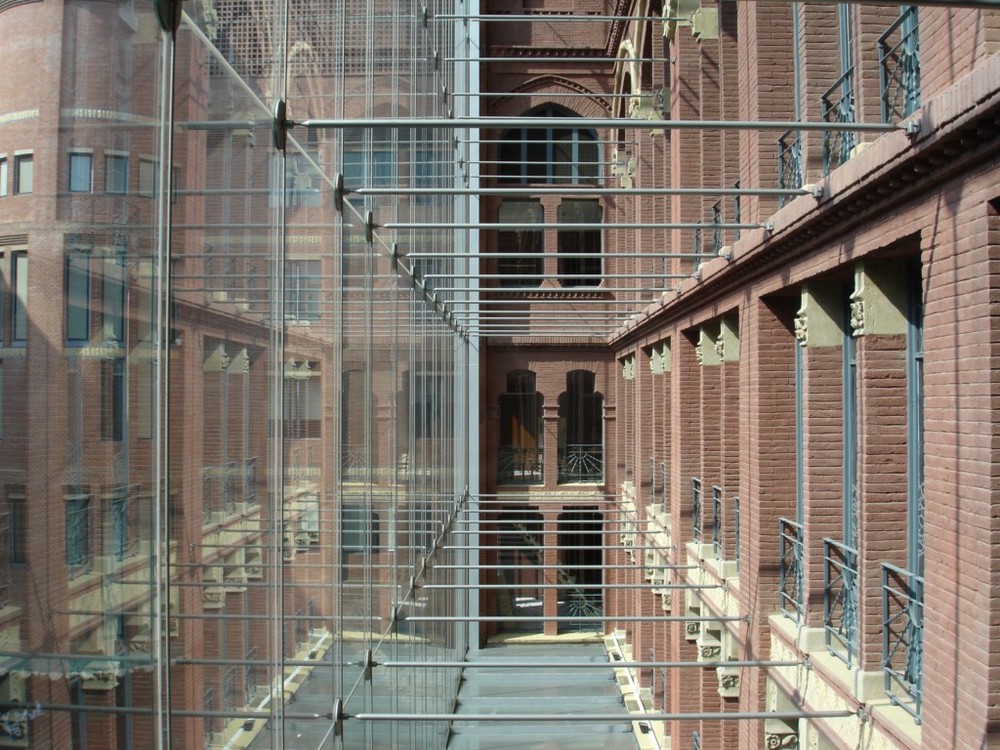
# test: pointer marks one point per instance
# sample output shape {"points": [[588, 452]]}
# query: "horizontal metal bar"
{"points": [[548, 291], [587, 665], [577, 190], [589, 122], [518, 256], [564, 227], [566, 618], [553, 546], [569, 586], [635, 566], [561, 59], [545, 18], [609, 718]]}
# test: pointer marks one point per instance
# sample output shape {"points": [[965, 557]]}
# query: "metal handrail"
{"points": [[899, 68], [838, 103], [903, 637], [840, 599], [790, 588]]}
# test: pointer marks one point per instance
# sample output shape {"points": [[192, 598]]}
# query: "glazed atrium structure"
{"points": [[499, 374]]}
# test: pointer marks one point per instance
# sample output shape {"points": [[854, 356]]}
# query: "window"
{"points": [[148, 177], [581, 429], [116, 173], [523, 246], [575, 270], [78, 531], [431, 396], [369, 157], [302, 290], [18, 527], [24, 173], [81, 172], [548, 154], [77, 297], [113, 399], [521, 429], [3, 176], [113, 298], [19, 300], [303, 404], [359, 528]]}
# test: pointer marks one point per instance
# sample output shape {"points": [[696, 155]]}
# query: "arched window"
{"points": [[550, 154], [519, 459], [581, 430]]}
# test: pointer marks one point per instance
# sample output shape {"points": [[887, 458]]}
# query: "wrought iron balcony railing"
{"points": [[839, 106], [840, 599], [123, 525], [518, 465], [790, 592], [717, 541], [79, 535], [791, 174], [903, 637], [581, 463], [696, 509], [899, 67]]}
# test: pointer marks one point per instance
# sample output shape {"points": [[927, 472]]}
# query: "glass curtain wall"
{"points": [[232, 445]]}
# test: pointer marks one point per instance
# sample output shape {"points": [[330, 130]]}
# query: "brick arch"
{"points": [[547, 89]]}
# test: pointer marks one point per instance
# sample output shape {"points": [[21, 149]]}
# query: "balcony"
{"points": [[899, 67], [838, 105], [517, 465], [790, 171], [903, 637], [581, 463], [790, 594], [840, 600]]}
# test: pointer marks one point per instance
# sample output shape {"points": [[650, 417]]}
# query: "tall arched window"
{"points": [[550, 154], [519, 459], [581, 430]]}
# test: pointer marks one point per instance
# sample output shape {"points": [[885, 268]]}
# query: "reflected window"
{"points": [[430, 395], [113, 297], [550, 154], [148, 177], [303, 405], [581, 429], [302, 290], [24, 174], [77, 296], [520, 445], [19, 300], [113, 399], [3, 176], [519, 245], [78, 530], [580, 241], [116, 173], [81, 172], [357, 522], [369, 157], [302, 182], [18, 509]]}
